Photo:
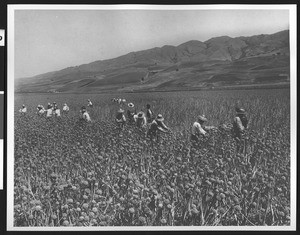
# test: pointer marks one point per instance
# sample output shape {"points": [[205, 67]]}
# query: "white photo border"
{"points": [[10, 113]]}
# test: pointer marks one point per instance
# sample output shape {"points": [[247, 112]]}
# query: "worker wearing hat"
{"points": [[157, 126], [131, 113], [140, 119], [66, 108], [90, 104], [40, 109], [120, 118], [199, 130], [240, 123], [23, 110], [49, 110], [85, 115], [55, 110]]}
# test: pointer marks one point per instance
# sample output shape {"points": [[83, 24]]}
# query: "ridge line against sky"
{"points": [[51, 40]]}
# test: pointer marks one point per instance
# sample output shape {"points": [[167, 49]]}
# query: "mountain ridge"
{"points": [[161, 64]]}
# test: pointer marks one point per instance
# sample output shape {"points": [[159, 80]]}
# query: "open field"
{"points": [[69, 173]]}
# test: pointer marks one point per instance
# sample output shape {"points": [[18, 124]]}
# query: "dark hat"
{"points": [[202, 118], [148, 105]]}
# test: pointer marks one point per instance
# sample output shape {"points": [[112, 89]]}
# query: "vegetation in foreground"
{"points": [[70, 173]]}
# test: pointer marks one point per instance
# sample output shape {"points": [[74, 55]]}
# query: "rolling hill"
{"points": [[217, 62]]}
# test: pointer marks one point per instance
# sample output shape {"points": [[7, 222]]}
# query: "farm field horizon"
{"points": [[70, 173]]}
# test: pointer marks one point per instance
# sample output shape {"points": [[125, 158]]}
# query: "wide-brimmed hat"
{"points": [[159, 118], [140, 115], [120, 111], [202, 118], [130, 105], [240, 111]]}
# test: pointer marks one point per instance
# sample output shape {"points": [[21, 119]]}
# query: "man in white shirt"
{"points": [[40, 109], [49, 112], [23, 110], [66, 108], [85, 116], [90, 104], [199, 130]]}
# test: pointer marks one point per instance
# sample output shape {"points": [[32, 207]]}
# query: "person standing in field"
{"points": [[85, 115], [90, 104], [239, 127], [240, 123], [149, 114], [56, 110], [66, 108], [49, 111], [157, 126], [23, 110], [120, 118], [199, 131], [130, 113]]}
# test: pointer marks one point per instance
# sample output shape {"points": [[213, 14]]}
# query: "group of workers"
{"points": [[147, 121]]}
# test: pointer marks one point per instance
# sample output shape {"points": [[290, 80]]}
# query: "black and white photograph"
{"points": [[151, 117]]}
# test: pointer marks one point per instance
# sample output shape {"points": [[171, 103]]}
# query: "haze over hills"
{"points": [[217, 62]]}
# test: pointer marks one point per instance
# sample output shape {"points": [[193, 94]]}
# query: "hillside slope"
{"points": [[216, 62]]}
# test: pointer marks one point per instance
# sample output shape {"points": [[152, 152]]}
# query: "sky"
{"points": [[50, 40]]}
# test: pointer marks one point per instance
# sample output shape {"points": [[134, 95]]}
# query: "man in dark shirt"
{"points": [[149, 114], [156, 127]]}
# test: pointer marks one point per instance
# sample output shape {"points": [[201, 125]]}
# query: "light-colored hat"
{"points": [[140, 115], [240, 111], [23, 105], [202, 118], [120, 111], [65, 104], [160, 118], [123, 100], [131, 105]]}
